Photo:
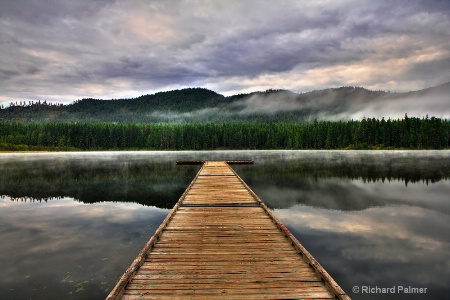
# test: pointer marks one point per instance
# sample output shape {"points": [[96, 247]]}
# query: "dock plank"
{"points": [[220, 241]]}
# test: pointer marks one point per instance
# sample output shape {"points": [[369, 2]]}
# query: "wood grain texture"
{"points": [[217, 249]]}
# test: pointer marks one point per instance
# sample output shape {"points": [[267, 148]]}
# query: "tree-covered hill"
{"points": [[199, 105], [178, 100], [146, 108]]}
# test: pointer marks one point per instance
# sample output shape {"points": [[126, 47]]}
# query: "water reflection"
{"points": [[348, 195], [63, 249], [73, 222], [384, 246], [92, 178], [377, 220]]}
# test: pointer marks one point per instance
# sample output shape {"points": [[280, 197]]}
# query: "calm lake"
{"points": [[71, 223]]}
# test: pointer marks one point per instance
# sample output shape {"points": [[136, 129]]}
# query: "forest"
{"points": [[406, 133]]}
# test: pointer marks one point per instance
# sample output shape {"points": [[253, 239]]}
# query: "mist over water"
{"points": [[73, 222]]}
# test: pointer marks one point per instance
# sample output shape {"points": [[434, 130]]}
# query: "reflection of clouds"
{"points": [[121, 211], [67, 239], [381, 246], [335, 193], [393, 221]]}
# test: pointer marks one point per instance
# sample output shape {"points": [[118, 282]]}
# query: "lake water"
{"points": [[71, 223]]}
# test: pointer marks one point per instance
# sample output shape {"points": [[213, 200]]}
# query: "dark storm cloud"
{"points": [[64, 50]]}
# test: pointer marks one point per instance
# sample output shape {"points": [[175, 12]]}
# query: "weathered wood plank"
{"points": [[307, 287], [279, 293], [157, 274], [238, 264], [220, 279]]}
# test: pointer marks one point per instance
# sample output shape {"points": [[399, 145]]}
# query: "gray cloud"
{"points": [[65, 50]]}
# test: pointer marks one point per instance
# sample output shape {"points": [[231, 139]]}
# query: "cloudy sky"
{"points": [[62, 50]]}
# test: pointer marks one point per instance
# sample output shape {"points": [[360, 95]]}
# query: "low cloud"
{"points": [[350, 103]]}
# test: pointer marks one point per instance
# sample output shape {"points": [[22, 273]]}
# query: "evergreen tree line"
{"points": [[412, 133]]}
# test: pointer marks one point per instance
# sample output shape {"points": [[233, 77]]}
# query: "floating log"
{"points": [[240, 162], [190, 162], [201, 162]]}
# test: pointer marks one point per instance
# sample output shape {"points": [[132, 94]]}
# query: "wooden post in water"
{"points": [[220, 241]]}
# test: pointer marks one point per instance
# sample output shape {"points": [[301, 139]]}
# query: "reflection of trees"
{"points": [[154, 184], [31, 199], [367, 168]]}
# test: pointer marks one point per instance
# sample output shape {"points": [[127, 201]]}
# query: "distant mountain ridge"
{"points": [[203, 105]]}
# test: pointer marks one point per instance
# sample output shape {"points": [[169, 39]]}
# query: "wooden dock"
{"points": [[221, 242]]}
